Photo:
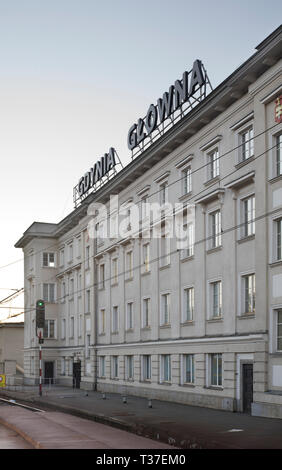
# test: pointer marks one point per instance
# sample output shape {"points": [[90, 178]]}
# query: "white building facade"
{"points": [[136, 314]]}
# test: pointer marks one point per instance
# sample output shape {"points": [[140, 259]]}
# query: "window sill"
{"points": [[219, 388], [245, 315], [129, 330], [114, 332], [244, 162], [145, 273], [188, 385], [114, 284], [102, 334], [185, 196], [215, 320], [187, 323], [276, 263], [129, 279], [165, 383], [146, 381], [246, 239], [166, 325], [214, 249], [164, 267], [212, 181], [275, 178], [187, 258], [146, 328]]}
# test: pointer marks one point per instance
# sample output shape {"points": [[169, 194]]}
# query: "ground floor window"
{"points": [[216, 370], [165, 363], [188, 374]]}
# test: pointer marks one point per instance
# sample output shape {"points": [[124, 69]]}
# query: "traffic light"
{"points": [[40, 313]]}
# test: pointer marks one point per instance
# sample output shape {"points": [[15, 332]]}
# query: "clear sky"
{"points": [[75, 74]]}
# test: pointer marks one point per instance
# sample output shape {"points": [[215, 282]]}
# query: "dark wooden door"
{"points": [[49, 372], [247, 387], [76, 374]]}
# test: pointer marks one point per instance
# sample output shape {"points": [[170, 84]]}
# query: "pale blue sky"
{"points": [[75, 74]]}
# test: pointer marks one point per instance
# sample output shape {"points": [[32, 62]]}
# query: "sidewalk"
{"points": [[180, 425]]}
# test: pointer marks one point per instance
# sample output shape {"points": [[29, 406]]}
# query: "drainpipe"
{"points": [[95, 313]]}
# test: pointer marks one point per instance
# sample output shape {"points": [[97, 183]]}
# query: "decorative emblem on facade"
{"points": [[278, 109]]}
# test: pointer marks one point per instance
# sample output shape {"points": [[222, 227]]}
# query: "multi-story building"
{"points": [[200, 325]]}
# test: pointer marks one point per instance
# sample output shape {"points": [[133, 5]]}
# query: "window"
{"points": [[165, 368], [62, 257], [187, 180], [49, 292], [63, 332], [49, 329], [87, 347], [102, 321], [279, 330], [114, 271], [213, 164], [188, 368], [87, 301], [146, 367], [115, 320], [146, 313], [165, 309], [248, 227], [63, 366], [72, 327], [80, 330], [188, 241], [48, 260], [70, 252], [71, 287], [102, 276], [145, 207], [87, 257], [129, 316], [278, 236], [279, 155], [215, 219], [188, 304], [78, 247], [129, 270], [164, 248], [129, 367], [102, 366], [114, 367], [216, 370], [146, 258], [216, 299], [247, 143], [249, 287], [63, 292], [163, 193]]}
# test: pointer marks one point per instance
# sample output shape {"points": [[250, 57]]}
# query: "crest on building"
{"points": [[278, 109]]}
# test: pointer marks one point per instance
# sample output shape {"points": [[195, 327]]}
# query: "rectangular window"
{"points": [[146, 258], [102, 321], [49, 292], [278, 239], [216, 369], [102, 276], [87, 301], [247, 143], [63, 332], [129, 316], [87, 347], [87, 257], [165, 309], [187, 180], [279, 330], [146, 367], [164, 248], [63, 366], [146, 313], [165, 368], [71, 287], [114, 367], [248, 216], [48, 260], [70, 252], [71, 327], [213, 164], [49, 329], [78, 247], [279, 155], [62, 257], [129, 367], [188, 368], [163, 193], [115, 320], [188, 304], [215, 229], [216, 293], [102, 368], [249, 293], [114, 271], [129, 266], [145, 208]]}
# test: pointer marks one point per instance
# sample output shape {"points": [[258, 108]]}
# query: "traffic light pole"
{"points": [[40, 365]]}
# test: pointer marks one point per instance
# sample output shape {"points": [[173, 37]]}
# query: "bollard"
{"points": [[124, 399], [104, 396], [149, 403]]}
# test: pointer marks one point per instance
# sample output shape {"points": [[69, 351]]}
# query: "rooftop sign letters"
{"points": [[182, 91], [101, 168]]}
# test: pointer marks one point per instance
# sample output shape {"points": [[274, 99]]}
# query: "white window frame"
{"points": [[114, 367], [146, 258], [146, 315], [102, 276], [129, 264], [215, 220], [114, 270], [250, 223], [102, 366], [244, 276], [162, 313], [48, 326], [87, 301], [210, 370], [48, 297], [102, 321], [49, 264], [165, 376], [183, 363], [129, 367], [210, 298], [186, 175], [63, 328], [115, 327], [129, 315], [249, 145], [213, 163], [146, 367], [191, 289]]}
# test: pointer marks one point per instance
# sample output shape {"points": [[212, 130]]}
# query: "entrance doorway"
{"points": [[49, 372], [247, 387], [76, 378]]}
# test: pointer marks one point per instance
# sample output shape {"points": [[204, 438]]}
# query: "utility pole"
{"points": [[40, 321]]}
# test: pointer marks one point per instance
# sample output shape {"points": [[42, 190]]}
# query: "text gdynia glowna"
{"points": [[96, 173], [171, 100]]}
